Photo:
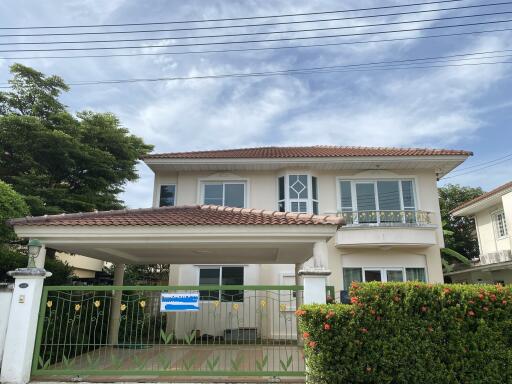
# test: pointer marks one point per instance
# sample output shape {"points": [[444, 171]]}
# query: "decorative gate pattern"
{"points": [[237, 331]]}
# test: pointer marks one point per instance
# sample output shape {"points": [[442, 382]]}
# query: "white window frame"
{"points": [[383, 274], [309, 200], [496, 224], [354, 181], [159, 191], [202, 184], [220, 268]]}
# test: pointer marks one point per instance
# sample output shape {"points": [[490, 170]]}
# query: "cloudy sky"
{"points": [[464, 107]]}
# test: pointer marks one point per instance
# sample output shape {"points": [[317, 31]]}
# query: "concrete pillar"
{"points": [[40, 259], [5, 306], [315, 283], [22, 325], [320, 255], [115, 305]]}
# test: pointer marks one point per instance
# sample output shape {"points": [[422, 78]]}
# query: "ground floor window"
{"points": [[381, 274], [221, 276]]}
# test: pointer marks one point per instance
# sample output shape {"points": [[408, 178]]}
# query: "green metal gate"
{"points": [[118, 331]]}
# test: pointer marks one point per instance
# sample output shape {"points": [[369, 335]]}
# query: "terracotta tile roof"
{"points": [[486, 195], [177, 216], [306, 152]]}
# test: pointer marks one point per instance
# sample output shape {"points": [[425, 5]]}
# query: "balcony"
{"points": [[386, 229]]}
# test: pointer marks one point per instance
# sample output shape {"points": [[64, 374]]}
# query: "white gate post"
{"points": [[315, 278], [5, 305], [22, 325]]}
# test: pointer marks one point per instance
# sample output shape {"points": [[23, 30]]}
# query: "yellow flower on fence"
{"points": [[282, 307], [49, 303], [142, 303], [263, 303], [216, 303], [97, 303], [77, 307], [235, 307], [123, 307]]}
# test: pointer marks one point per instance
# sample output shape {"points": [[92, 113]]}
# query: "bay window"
{"points": [[229, 194], [298, 193], [377, 201]]}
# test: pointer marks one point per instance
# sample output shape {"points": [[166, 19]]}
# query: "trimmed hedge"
{"points": [[411, 333]]}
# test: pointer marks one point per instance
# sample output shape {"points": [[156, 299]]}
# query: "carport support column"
{"points": [[115, 306], [22, 324], [315, 279]]}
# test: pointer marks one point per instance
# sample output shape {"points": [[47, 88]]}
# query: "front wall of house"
{"points": [[262, 193]]}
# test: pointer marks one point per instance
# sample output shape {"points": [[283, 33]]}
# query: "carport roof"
{"points": [[198, 215]]}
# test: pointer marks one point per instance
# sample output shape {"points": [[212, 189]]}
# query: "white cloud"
{"points": [[434, 107]]}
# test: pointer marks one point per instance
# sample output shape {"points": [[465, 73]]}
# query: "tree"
{"points": [[61, 162], [11, 205], [14, 256], [459, 232]]}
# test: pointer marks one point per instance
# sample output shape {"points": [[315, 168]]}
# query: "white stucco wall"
{"points": [[489, 243], [83, 267]]}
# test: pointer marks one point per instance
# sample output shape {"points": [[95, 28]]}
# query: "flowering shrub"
{"points": [[411, 333]]}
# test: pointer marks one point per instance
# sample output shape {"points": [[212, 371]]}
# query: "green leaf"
{"points": [[286, 365], [190, 338], [235, 363], [450, 252], [260, 365], [213, 363]]}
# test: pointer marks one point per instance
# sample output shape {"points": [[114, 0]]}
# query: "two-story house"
{"points": [[492, 213], [386, 196], [260, 220]]}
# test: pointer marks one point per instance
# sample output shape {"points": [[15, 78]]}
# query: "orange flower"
{"points": [[492, 297], [305, 335], [364, 330], [471, 313], [300, 312], [327, 326], [329, 314], [354, 300], [447, 290], [312, 344], [504, 302], [481, 296]]}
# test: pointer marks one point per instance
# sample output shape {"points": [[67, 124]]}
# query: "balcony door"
{"points": [[379, 201], [366, 202]]}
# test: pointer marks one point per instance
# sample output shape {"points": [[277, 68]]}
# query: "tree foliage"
{"points": [[460, 232], [11, 205], [58, 161]]}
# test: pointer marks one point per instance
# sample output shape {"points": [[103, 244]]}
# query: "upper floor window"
{"points": [[500, 224], [167, 195], [229, 194], [298, 193], [378, 200]]}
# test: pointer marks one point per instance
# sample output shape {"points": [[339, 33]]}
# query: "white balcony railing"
{"points": [[387, 218]]}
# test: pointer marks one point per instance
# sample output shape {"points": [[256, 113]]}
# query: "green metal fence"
{"points": [[106, 330]]}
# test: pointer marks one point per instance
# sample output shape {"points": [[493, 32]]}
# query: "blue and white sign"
{"points": [[179, 302]]}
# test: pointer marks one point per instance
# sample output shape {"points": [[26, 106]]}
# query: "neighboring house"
{"points": [[492, 213], [387, 197], [84, 268]]}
